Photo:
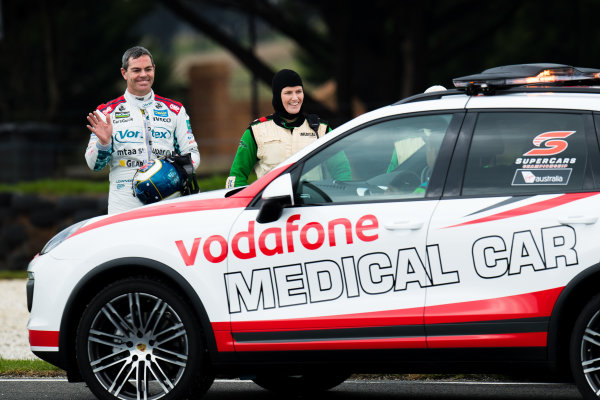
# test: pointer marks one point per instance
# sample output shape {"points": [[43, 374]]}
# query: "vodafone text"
{"points": [[351, 276], [270, 241]]}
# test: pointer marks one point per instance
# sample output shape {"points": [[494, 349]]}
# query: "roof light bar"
{"points": [[526, 74]]}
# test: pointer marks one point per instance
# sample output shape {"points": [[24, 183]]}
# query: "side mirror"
{"points": [[277, 195]]}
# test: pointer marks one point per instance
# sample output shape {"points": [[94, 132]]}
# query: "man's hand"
{"points": [[101, 128]]}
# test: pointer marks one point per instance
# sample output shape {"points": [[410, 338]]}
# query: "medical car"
{"points": [[466, 241]]}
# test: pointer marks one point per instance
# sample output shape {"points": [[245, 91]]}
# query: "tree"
{"points": [[60, 58], [380, 51], [376, 51]]}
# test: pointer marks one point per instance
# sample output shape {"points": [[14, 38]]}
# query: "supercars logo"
{"points": [[552, 143]]}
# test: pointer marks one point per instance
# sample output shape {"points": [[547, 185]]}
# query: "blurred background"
{"points": [[60, 59]]}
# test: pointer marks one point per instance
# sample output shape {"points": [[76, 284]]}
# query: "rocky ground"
{"points": [[14, 341]]}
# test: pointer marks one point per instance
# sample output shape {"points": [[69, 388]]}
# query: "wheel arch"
{"points": [[113, 270], [566, 310]]}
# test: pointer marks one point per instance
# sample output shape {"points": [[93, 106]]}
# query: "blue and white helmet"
{"points": [[157, 180]]}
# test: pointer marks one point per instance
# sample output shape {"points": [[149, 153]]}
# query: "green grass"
{"points": [[5, 274], [212, 183], [57, 187], [26, 368], [62, 187]]}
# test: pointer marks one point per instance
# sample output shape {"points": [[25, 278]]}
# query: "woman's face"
{"points": [[292, 98]]}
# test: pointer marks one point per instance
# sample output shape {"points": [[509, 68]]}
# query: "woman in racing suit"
{"points": [[270, 140]]}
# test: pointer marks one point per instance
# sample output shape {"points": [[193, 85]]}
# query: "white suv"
{"points": [[464, 242]]}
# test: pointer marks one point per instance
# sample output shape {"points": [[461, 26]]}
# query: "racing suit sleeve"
{"points": [[184, 138], [244, 161], [98, 155], [339, 166], [393, 162]]}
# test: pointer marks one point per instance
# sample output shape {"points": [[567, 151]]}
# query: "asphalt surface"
{"points": [[60, 389]]}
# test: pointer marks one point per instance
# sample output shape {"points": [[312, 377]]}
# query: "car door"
{"points": [[346, 267], [515, 227]]}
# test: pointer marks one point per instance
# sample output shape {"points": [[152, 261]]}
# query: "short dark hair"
{"points": [[135, 52]]}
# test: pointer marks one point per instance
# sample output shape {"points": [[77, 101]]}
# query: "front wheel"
{"points": [[300, 384], [137, 339], [584, 349]]}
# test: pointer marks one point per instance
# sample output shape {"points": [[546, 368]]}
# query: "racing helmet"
{"points": [[157, 180]]}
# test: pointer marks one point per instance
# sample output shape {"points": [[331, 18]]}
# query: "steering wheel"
{"points": [[405, 180], [318, 190]]}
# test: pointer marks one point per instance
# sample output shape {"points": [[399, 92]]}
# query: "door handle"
{"points": [[578, 219], [404, 225]]}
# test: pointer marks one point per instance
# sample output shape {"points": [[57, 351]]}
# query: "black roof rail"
{"points": [[503, 90], [429, 96]]}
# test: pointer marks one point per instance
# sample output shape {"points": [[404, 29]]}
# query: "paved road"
{"points": [[13, 389]]}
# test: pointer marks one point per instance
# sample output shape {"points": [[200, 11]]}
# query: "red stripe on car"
{"points": [[523, 306], [528, 305], [238, 200], [43, 338], [167, 209], [409, 316], [523, 339], [530, 208]]}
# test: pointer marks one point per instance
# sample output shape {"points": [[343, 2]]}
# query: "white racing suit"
{"points": [[143, 129]]}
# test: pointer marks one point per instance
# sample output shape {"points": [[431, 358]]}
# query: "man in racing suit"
{"points": [[135, 128]]}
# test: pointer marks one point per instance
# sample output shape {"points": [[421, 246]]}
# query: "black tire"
{"points": [[137, 336], [584, 350], [300, 384]]}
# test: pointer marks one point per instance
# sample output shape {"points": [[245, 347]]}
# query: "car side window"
{"points": [[526, 152], [392, 159]]}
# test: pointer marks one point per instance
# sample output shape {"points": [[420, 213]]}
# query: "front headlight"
{"points": [[61, 236]]}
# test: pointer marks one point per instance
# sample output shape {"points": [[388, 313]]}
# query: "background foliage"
{"points": [[58, 58]]}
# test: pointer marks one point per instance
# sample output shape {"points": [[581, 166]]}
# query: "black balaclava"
{"points": [[284, 78]]}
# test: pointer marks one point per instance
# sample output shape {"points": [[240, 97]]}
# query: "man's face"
{"points": [[139, 75], [292, 98]]}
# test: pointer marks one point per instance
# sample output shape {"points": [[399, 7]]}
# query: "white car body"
{"points": [[491, 278]]}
